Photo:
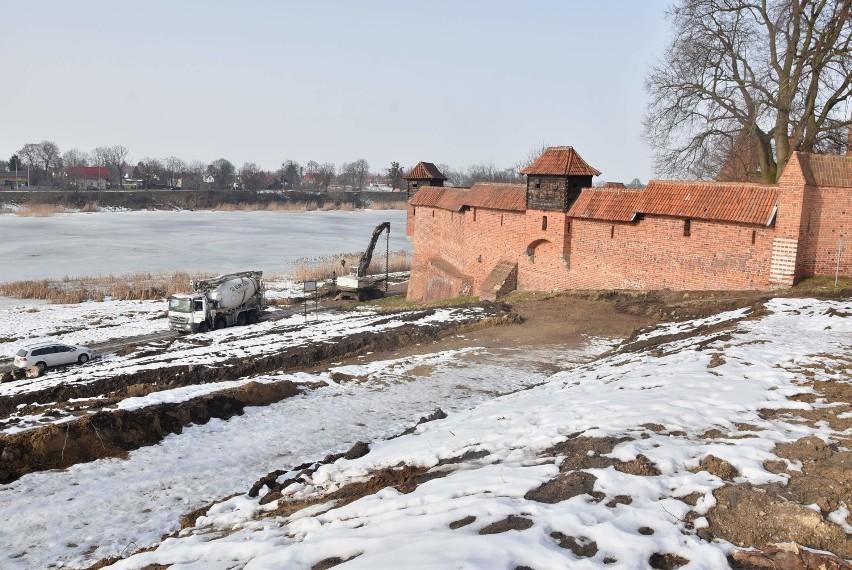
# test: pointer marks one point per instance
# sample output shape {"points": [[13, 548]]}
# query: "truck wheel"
{"points": [[202, 328], [241, 319], [220, 323], [252, 317]]}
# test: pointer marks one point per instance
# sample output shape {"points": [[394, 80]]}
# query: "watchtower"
{"points": [[555, 180], [424, 174]]}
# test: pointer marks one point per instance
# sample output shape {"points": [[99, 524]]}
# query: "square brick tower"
{"points": [[555, 180], [424, 174]]}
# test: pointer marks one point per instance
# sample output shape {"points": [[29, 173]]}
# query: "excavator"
{"points": [[357, 285]]}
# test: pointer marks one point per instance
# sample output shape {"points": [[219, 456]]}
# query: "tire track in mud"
{"points": [[112, 433]]}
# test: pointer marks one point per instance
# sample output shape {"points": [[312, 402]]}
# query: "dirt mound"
{"points": [[564, 487], [114, 433], [749, 516], [785, 556]]}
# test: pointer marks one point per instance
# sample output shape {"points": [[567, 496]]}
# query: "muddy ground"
{"points": [[520, 321], [773, 522]]}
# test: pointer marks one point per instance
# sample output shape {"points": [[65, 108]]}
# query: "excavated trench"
{"points": [[100, 432]]}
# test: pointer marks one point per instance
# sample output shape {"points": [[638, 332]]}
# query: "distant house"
{"points": [[13, 179], [87, 176]]}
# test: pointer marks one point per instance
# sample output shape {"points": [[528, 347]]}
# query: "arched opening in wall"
{"points": [[544, 223], [753, 236], [501, 219], [433, 213], [611, 232], [544, 268], [474, 214], [687, 228], [413, 212]]}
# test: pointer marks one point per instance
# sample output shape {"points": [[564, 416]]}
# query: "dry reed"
{"points": [[327, 266], [283, 207], [137, 286], [91, 207], [39, 210]]}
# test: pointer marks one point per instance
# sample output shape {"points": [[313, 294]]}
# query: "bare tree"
{"points": [[325, 174], [193, 176], [223, 173], [175, 169], [75, 157], [42, 159], [780, 70], [252, 177], [356, 173], [115, 159], [291, 174], [98, 156]]}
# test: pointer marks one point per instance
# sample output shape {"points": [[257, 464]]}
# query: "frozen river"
{"points": [[132, 242]]}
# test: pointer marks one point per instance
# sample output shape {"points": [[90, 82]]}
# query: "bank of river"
{"points": [[152, 241]]}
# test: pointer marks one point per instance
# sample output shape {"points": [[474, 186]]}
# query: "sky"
{"points": [[449, 82]]}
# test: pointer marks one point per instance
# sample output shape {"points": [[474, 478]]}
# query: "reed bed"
{"points": [[125, 287], [327, 266], [39, 210], [91, 207], [275, 207], [398, 205]]}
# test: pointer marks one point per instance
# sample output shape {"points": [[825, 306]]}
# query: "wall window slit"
{"points": [[544, 222], [687, 228]]}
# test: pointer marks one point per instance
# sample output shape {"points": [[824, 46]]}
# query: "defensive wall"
{"points": [[486, 241]]}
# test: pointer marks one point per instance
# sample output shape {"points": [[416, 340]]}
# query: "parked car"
{"points": [[46, 354]]}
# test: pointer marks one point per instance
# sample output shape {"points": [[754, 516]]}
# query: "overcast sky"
{"points": [[453, 82]]}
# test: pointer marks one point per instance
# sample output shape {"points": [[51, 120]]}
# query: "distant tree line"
{"points": [[47, 166]]}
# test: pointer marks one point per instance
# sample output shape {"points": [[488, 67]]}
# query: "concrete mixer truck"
{"points": [[235, 298]]}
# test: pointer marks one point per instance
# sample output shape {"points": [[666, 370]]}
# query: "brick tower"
{"points": [[555, 180], [424, 174]]}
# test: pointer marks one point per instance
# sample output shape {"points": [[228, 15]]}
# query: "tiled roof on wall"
{"points": [[618, 205], [439, 197], [730, 202], [739, 202], [560, 161], [826, 170], [496, 196], [425, 171]]}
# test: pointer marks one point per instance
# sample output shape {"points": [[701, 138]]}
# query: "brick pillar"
{"points": [[788, 225]]}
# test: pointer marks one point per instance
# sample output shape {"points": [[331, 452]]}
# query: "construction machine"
{"points": [[357, 284]]}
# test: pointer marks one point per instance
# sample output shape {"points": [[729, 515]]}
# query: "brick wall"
{"points": [[826, 221], [454, 252]]}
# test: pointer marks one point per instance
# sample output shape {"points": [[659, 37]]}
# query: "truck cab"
{"points": [[188, 312]]}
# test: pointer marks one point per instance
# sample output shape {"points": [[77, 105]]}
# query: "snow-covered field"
{"points": [[107, 508], [678, 387], [220, 242]]}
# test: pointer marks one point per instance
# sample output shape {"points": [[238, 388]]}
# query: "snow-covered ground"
{"points": [[111, 507], [680, 388], [219, 242]]}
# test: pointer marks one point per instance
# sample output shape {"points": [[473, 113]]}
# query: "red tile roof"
{"points": [[618, 205], [425, 171], [88, 172], [560, 161], [727, 202], [614, 185], [827, 170], [439, 197], [741, 202], [496, 196]]}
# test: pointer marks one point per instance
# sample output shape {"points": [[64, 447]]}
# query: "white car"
{"points": [[46, 354]]}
